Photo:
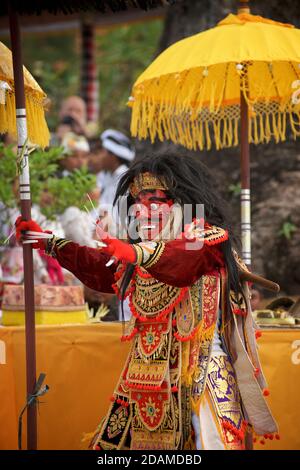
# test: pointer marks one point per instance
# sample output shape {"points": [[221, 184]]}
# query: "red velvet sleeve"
{"points": [[179, 266], [88, 265]]}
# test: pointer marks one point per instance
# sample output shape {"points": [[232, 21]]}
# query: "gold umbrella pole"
{"points": [[245, 168], [25, 199]]}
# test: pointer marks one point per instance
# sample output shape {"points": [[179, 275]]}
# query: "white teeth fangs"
{"points": [[147, 226]]}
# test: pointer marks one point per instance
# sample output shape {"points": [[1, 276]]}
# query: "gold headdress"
{"points": [[145, 182]]}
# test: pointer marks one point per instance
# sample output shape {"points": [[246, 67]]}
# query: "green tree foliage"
{"points": [[123, 53], [287, 229], [68, 191], [63, 192], [55, 64], [8, 172]]}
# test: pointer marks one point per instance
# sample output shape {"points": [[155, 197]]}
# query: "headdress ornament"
{"points": [[145, 182]]}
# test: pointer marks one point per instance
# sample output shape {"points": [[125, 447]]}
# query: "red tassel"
{"points": [[240, 311], [256, 372], [277, 436], [266, 392], [258, 334], [142, 386], [112, 398], [185, 338], [262, 442], [129, 337], [239, 433], [174, 389], [97, 447]]}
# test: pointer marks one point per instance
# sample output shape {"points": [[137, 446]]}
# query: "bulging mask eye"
{"points": [[153, 206]]}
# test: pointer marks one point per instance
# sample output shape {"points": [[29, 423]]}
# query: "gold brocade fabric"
{"points": [[150, 297], [152, 403], [222, 385]]}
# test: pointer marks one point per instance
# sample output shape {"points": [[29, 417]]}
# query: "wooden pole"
{"points": [[25, 199], [89, 79], [243, 7]]}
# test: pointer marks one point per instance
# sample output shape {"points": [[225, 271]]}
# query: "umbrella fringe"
{"points": [[38, 132], [166, 120]]}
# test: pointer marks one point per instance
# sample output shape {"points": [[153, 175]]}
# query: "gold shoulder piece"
{"points": [[209, 234]]}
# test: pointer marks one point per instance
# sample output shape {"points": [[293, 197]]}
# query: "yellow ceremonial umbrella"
{"points": [[38, 132], [238, 78]]}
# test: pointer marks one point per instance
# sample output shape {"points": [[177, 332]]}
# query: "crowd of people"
{"points": [[106, 155]]}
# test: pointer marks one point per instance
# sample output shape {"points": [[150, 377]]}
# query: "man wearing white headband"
{"points": [[110, 162], [76, 151]]}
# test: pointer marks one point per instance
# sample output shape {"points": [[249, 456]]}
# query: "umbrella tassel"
{"points": [[275, 128], [294, 124], [207, 135], [194, 135], [261, 129], [228, 132], [189, 135], [280, 125], [255, 127], [284, 118], [217, 134], [200, 135], [268, 128], [232, 124], [236, 131], [10, 121], [165, 129], [37, 128]]}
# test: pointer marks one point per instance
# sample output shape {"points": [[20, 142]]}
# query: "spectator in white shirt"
{"points": [[110, 162]]}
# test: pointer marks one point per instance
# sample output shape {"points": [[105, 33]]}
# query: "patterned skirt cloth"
{"points": [[219, 423]]}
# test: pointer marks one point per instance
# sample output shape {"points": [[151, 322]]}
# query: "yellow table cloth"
{"points": [[82, 364]]}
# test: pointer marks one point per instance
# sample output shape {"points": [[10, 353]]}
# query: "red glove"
{"points": [[25, 225], [119, 250], [54, 269]]}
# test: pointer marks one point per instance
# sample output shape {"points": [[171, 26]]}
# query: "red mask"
{"points": [[152, 210]]}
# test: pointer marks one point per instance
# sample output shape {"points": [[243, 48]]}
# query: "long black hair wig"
{"points": [[189, 182]]}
